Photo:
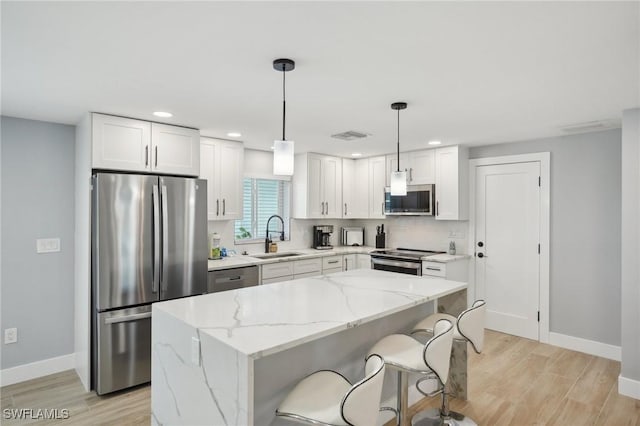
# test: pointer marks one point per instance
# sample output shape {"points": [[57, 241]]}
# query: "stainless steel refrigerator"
{"points": [[149, 243]]}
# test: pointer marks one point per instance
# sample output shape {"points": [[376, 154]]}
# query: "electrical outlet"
{"points": [[10, 335], [47, 245]]}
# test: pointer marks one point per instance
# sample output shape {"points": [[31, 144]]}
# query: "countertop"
{"points": [[266, 319], [240, 260], [308, 253]]}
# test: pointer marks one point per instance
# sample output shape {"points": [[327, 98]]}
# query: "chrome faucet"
{"points": [[267, 240]]}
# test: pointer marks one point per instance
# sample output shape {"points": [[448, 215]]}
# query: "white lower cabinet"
{"points": [[363, 261], [307, 268], [331, 264], [455, 271], [276, 272]]}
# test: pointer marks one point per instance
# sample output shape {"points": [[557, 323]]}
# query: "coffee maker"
{"points": [[322, 237]]}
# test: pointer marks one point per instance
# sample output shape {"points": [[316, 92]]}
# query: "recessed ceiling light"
{"points": [[434, 142], [162, 114], [234, 134], [356, 154]]}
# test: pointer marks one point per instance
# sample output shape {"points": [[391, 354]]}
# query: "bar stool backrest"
{"points": [[471, 324], [361, 403], [437, 350]]}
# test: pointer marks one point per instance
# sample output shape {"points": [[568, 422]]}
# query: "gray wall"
{"points": [[585, 230], [631, 245], [37, 202]]}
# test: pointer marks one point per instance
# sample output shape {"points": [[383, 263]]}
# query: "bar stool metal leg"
{"points": [[403, 398]]}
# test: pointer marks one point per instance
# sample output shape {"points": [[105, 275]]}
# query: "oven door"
{"points": [[401, 266]]}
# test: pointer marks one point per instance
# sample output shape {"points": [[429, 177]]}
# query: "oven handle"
{"points": [[397, 263]]}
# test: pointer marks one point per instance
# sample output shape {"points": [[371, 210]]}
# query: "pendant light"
{"points": [[398, 178], [283, 149]]}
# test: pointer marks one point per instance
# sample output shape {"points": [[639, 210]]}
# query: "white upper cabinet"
{"points": [[121, 143], [140, 146], [176, 150], [419, 165], [377, 178], [355, 188], [222, 164], [452, 172], [317, 187]]}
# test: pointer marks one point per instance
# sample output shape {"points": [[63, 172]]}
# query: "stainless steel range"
{"points": [[403, 260]]}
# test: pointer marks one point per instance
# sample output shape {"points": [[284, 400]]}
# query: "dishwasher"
{"points": [[230, 279]]}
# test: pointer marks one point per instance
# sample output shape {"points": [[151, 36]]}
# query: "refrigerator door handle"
{"points": [[127, 318], [165, 239], [156, 239]]}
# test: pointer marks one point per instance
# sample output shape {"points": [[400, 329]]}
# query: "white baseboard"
{"points": [[590, 347], [629, 387], [21, 373]]}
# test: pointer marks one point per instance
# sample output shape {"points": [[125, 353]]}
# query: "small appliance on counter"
{"points": [[322, 237], [352, 236], [380, 237]]}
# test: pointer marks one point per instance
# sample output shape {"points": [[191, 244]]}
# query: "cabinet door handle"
{"points": [[327, 207], [332, 262], [156, 156], [218, 207], [146, 156], [410, 174], [345, 209], [437, 208], [224, 207], [382, 209]]}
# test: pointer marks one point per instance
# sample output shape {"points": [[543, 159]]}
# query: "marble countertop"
{"points": [[445, 258], [262, 320], [307, 253]]}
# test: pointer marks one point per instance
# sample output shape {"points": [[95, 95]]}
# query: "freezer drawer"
{"points": [[124, 349], [230, 279]]}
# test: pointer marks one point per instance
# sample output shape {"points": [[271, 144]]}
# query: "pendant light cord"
{"points": [[398, 141], [284, 104]]}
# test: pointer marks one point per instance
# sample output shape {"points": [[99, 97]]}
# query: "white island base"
{"points": [[230, 358]]}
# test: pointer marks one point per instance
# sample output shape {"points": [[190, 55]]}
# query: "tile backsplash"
{"points": [[418, 232]]}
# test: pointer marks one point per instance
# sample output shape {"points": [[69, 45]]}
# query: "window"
{"points": [[261, 199]]}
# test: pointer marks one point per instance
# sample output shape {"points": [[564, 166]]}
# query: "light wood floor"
{"points": [[514, 381]]}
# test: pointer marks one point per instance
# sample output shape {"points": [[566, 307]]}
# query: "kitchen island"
{"points": [[230, 358]]}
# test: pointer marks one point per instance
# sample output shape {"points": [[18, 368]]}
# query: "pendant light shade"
{"points": [[283, 149], [398, 178]]}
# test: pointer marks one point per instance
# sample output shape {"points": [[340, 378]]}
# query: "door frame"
{"points": [[545, 174]]}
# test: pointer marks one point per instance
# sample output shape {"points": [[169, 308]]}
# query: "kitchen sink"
{"points": [[274, 255]]}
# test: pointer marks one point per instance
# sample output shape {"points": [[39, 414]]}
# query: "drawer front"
{"points": [[434, 269], [306, 266], [331, 270], [277, 279], [331, 262], [307, 275], [280, 269]]}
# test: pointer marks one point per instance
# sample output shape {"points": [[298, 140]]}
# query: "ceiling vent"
{"points": [[591, 126], [350, 135]]}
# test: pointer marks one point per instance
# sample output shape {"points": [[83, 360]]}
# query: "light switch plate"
{"points": [[47, 245], [195, 351]]}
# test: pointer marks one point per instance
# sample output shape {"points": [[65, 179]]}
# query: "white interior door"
{"points": [[507, 237]]}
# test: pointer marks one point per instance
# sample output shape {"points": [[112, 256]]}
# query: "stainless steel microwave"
{"points": [[419, 200]]}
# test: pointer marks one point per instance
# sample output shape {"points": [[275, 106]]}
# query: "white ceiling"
{"points": [[472, 73]]}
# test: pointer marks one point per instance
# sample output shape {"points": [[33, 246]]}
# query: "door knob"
{"points": [[480, 254], [480, 244]]}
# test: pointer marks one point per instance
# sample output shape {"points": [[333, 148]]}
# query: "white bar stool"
{"points": [[327, 398], [469, 327], [407, 355]]}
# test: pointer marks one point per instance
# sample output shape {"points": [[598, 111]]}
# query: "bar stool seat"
{"points": [[328, 398], [407, 355], [429, 322]]}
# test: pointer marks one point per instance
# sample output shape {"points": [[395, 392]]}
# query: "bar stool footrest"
{"points": [[432, 417]]}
